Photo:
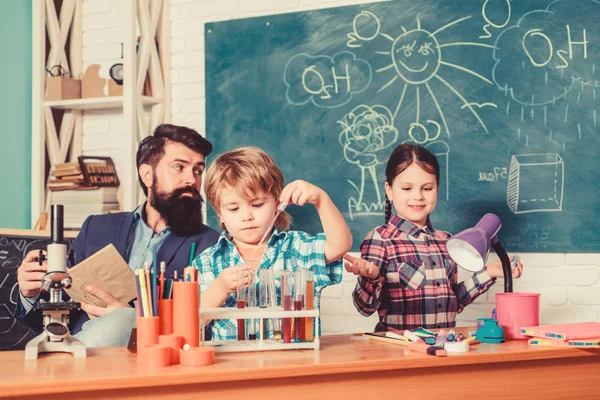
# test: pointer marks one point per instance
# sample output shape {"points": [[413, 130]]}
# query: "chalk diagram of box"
{"points": [[535, 183]]}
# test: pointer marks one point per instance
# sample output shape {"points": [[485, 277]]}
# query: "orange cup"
{"points": [[175, 343], [186, 321], [154, 356], [147, 331], [165, 315], [197, 356]]}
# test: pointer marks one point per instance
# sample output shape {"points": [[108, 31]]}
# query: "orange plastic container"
{"points": [[147, 331], [175, 343], [186, 321], [165, 315], [516, 310], [197, 356], [154, 356]]}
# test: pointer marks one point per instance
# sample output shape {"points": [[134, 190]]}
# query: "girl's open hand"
{"points": [[358, 266], [495, 269]]}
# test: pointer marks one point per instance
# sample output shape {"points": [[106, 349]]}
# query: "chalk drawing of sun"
{"points": [[415, 59]]}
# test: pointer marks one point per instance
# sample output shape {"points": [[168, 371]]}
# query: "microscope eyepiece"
{"points": [[57, 223]]}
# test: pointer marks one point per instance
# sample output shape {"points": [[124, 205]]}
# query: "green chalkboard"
{"points": [[504, 92]]}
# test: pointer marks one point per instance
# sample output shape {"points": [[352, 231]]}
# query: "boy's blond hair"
{"points": [[247, 170]]}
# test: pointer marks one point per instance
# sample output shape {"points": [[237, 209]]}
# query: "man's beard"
{"points": [[182, 214]]}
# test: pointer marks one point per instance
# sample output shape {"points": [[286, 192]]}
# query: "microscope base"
{"points": [[42, 344]]}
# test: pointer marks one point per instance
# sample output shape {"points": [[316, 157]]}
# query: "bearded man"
{"points": [[170, 165]]}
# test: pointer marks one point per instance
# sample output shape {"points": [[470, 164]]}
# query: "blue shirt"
{"points": [[144, 240], [289, 251]]}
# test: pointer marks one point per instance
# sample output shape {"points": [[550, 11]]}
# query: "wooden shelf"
{"points": [[57, 39], [35, 233], [97, 103]]}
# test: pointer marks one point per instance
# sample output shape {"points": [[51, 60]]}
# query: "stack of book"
{"points": [[66, 176], [86, 201], [86, 187], [582, 334]]}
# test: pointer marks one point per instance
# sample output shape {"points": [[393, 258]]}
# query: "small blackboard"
{"points": [[14, 245]]}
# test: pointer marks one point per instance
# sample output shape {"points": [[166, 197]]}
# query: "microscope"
{"points": [[55, 312]]}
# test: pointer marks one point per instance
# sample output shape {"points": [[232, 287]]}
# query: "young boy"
{"points": [[245, 187]]}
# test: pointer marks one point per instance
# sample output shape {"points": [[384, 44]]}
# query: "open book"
{"points": [[579, 330], [105, 270]]}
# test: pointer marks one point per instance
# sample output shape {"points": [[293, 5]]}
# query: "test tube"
{"points": [[242, 298], [309, 305], [263, 288], [252, 302], [276, 322], [286, 302], [300, 291], [264, 294]]}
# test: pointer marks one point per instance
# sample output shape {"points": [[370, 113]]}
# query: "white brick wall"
{"points": [[569, 283]]}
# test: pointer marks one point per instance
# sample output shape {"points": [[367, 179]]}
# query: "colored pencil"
{"points": [[143, 290], [139, 293], [192, 253], [153, 291]]}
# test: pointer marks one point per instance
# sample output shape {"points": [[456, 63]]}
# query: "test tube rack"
{"points": [[260, 344]]}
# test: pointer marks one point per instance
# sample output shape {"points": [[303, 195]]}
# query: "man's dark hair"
{"points": [[152, 149]]}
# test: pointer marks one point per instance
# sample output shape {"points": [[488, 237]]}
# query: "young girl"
{"points": [[245, 187], [405, 273]]}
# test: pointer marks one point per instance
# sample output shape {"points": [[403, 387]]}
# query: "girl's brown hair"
{"points": [[248, 170], [402, 157]]}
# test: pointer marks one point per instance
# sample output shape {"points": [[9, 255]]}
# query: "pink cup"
{"points": [[516, 310]]}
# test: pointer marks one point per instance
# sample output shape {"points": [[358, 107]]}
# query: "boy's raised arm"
{"points": [[338, 237]]}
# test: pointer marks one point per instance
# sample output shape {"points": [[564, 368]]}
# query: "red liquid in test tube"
{"points": [[309, 305], [286, 302], [299, 291], [299, 322], [242, 296], [241, 322]]}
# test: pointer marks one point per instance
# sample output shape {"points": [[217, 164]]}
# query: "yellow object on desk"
{"points": [[396, 336], [383, 337], [471, 339]]}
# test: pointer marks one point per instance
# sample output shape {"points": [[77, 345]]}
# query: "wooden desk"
{"points": [[345, 368]]}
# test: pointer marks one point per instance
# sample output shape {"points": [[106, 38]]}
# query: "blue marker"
{"points": [[514, 263]]}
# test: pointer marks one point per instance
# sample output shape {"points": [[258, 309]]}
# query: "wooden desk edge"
{"points": [[178, 375]]}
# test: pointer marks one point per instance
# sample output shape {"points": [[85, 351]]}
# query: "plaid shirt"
{"points": [[417, 285], [289, 250]]}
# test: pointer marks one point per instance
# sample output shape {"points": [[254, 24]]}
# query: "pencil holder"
{"points": [[147, 334], [185, 312], [147, 331], [175, 343], [197, 356], [154, 356], [165, 315], [516, 310]]}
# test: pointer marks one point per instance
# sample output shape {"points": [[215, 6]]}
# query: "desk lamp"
{"points": [[470, 249]]}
